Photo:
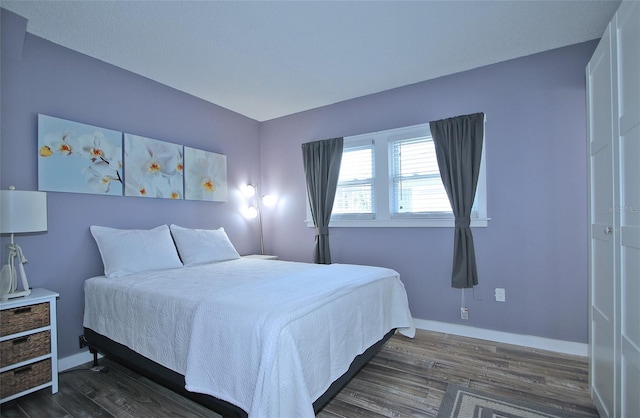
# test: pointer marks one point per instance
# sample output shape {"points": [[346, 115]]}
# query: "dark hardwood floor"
{"points": [[407, 378]]}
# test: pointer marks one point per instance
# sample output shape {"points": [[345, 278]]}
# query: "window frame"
{"points": [[383, 183]]}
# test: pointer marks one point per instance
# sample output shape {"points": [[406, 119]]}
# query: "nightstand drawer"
{"points": [[26, 377], [24, 318], [24, 348]]}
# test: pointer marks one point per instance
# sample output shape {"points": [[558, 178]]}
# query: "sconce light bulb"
{"points": [[269, 200], [249, 190], [251, 212]]}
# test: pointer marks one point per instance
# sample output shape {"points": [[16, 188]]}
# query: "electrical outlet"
{"points": [[464, 313], [83, 341], [500, 295]]}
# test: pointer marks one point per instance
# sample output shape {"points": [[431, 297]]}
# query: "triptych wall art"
{"points": [[79, 158]]}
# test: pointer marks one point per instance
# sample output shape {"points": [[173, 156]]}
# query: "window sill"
{"points": [[401, 223]]}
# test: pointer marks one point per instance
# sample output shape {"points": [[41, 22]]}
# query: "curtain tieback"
{"points": [[464, 222], [322, 230]]}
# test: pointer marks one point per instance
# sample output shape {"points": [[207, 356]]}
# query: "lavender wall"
{"points": [[41, 77], [536, 243]]}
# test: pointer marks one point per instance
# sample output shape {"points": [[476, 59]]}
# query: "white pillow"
{"points": [[128, 251], [199, 246]]}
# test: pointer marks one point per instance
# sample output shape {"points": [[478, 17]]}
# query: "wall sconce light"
{"points": [[20, 212], [252, 211]]}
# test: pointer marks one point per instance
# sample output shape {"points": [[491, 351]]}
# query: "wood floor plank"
{"points": [[75, 403], [105, 392], [41, 404], [388, 401], [350, 403], [343, 407], [408, 377], [394, 383], [12, 410], [190, 407], [133, 397]]}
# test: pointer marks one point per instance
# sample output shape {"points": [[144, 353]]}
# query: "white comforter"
{"points": [[267, 336]]}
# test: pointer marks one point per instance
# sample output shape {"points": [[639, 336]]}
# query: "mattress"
{"points": [[267, 336]]}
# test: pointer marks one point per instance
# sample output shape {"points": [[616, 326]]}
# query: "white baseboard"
{"points": [[75, 360], [559, 346]]}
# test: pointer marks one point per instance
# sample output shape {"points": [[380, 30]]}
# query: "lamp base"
{"points": [[8, 274], [18, 294]]}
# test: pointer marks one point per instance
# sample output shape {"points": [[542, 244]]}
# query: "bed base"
{"points": [[98, 343]]}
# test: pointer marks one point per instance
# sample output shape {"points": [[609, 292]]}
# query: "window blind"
{"points": [[416, 185]]}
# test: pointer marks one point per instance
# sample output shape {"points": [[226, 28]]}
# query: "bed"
{"points": [[247, 337]]}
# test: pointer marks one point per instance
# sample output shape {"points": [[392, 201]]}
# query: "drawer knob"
{"points": [[26, 309], [22, 340], [20, 370]]}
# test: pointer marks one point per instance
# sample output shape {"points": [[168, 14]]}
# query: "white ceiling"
{"points": [[266, 59]]}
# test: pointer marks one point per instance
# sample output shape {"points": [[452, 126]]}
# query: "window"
{"points": [[355, 195], [391, 178], [417, 189]]}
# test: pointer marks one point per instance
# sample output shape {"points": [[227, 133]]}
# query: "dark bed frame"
{"points": [[98, 343]]}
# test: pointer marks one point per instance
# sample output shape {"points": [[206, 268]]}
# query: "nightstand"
{"points": [[28, 344], [261, 256]]}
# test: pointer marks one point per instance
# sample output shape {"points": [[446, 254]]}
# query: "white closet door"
{"points": [[628, 74], [602, 216]]}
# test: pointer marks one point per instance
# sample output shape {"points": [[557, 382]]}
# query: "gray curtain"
{"points": [[458, 143], [321, 168]]}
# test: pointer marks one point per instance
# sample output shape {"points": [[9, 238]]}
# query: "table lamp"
{"points": [[20, 212]]}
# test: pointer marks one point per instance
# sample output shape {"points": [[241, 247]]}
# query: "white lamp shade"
{"points": [[23, 211]]}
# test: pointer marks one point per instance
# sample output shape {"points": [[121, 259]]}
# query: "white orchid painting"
{"points": [[153, 168], [205, 176], [79, 158]]}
